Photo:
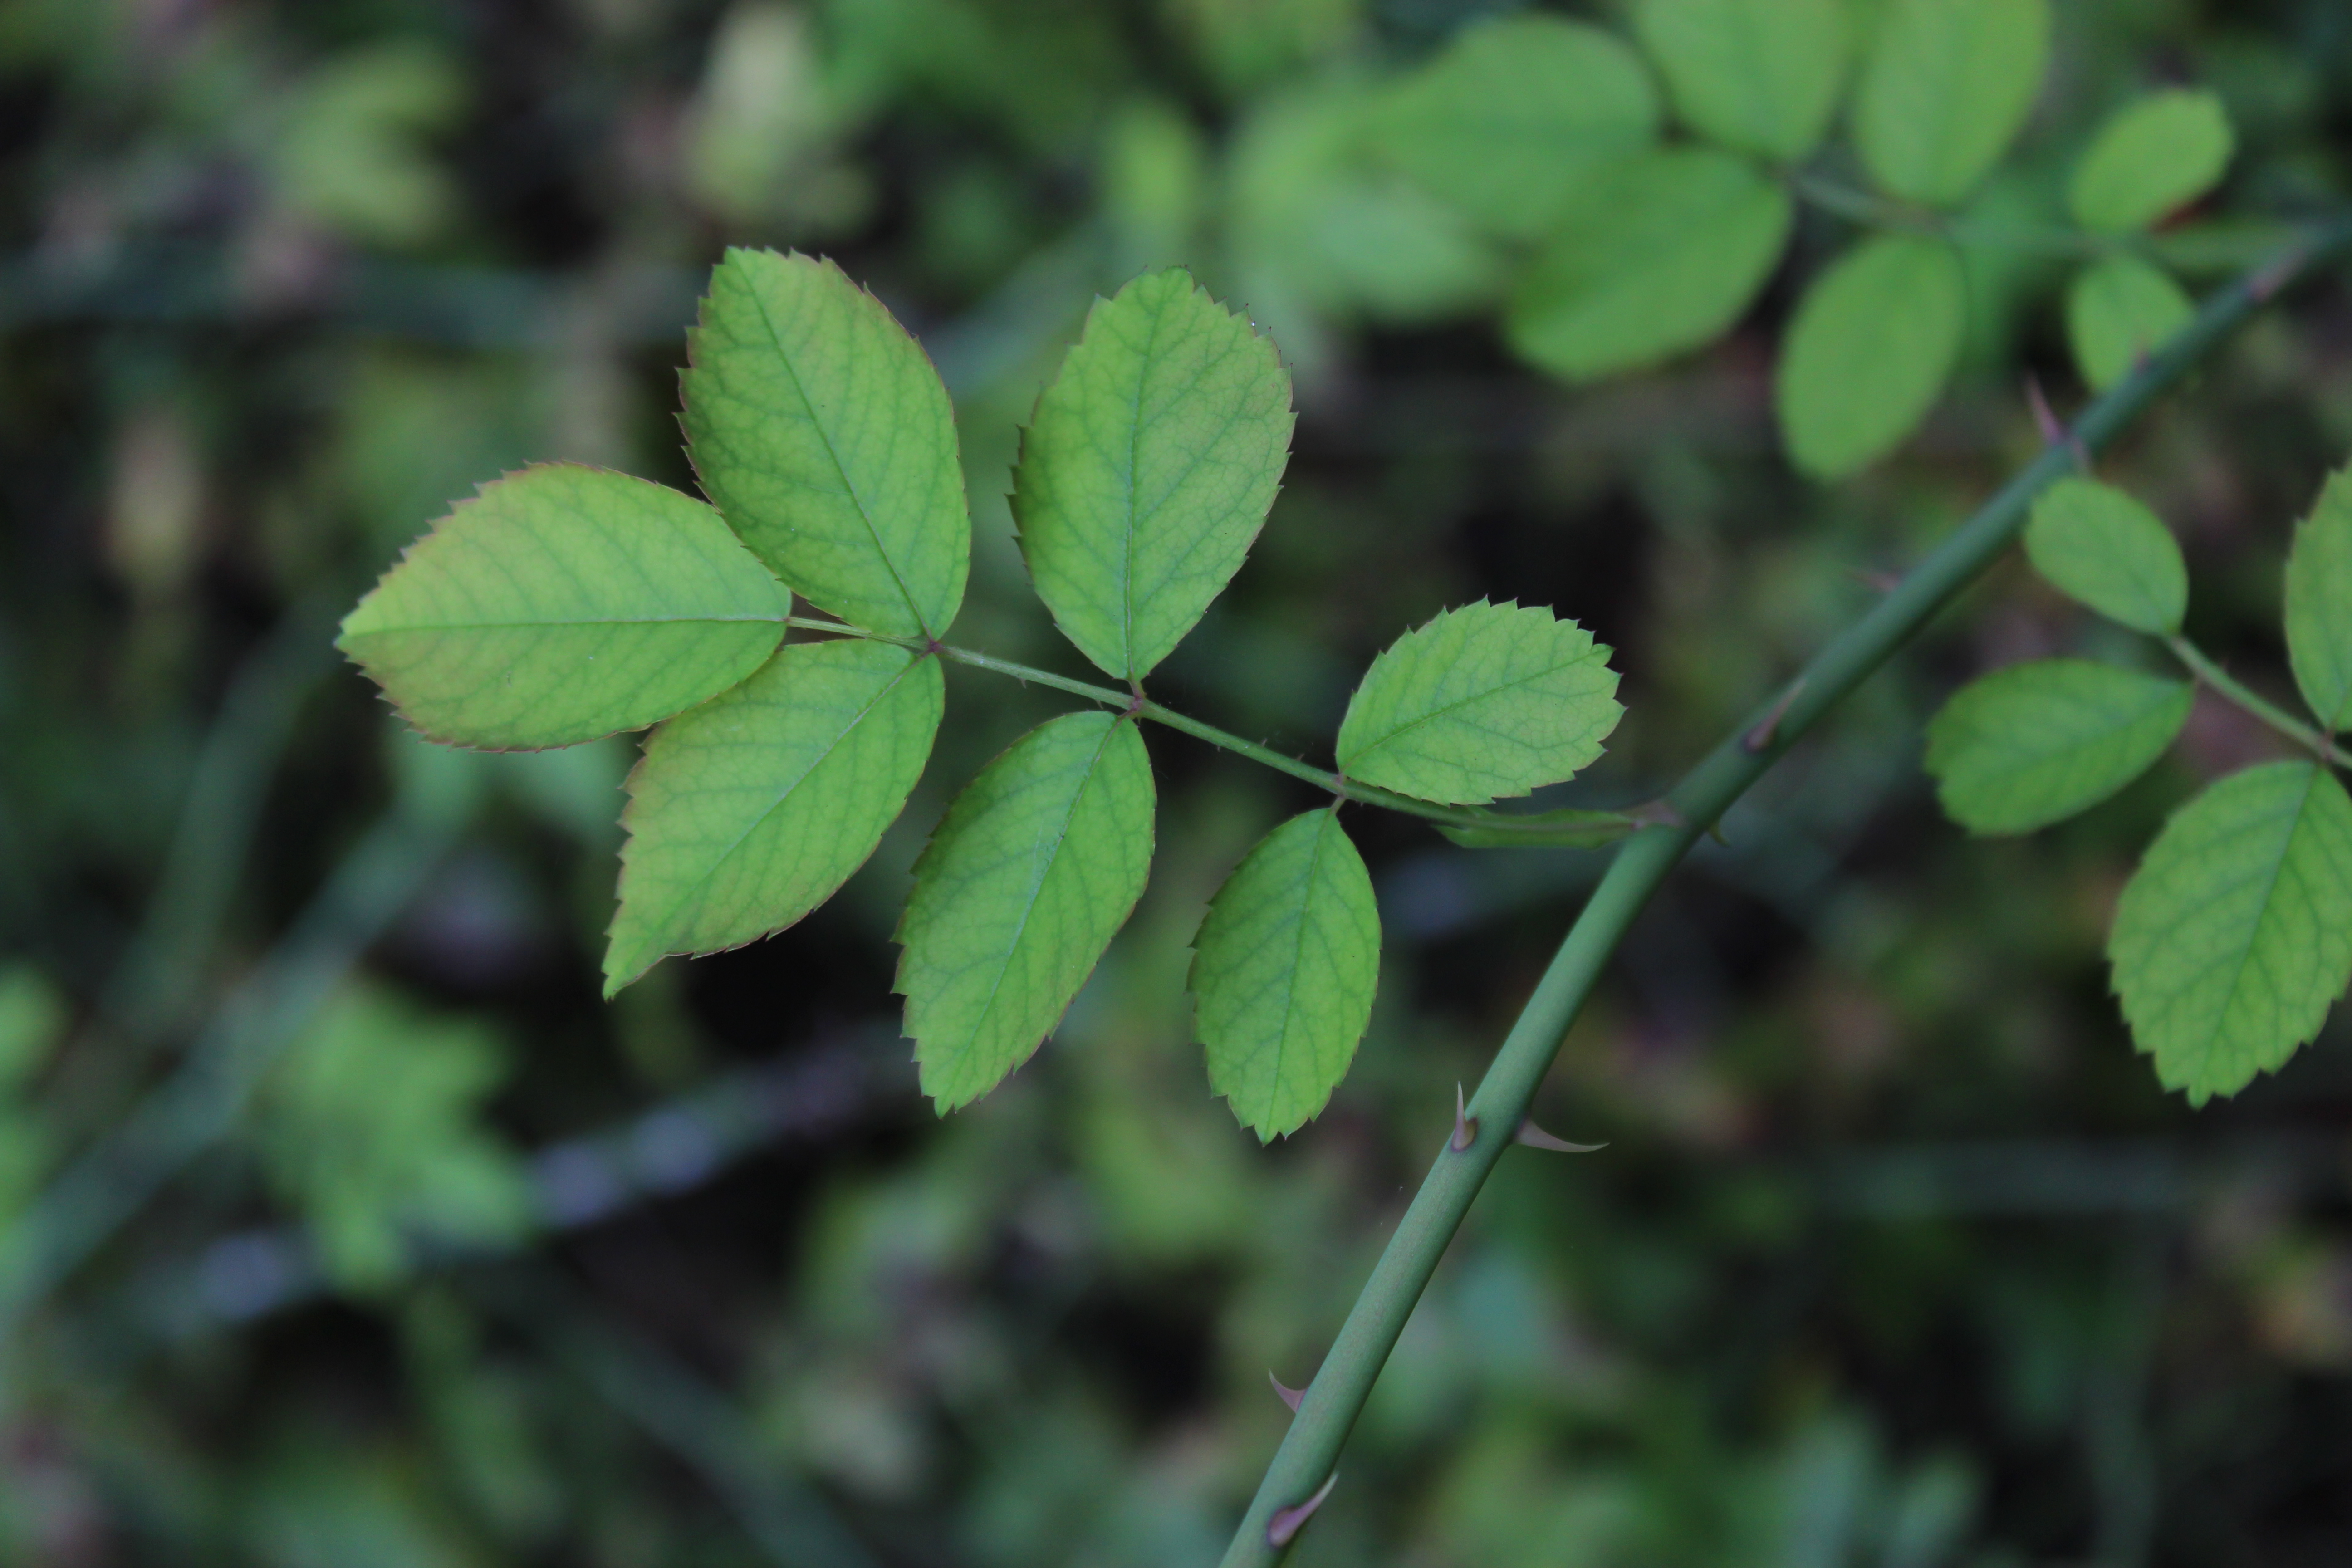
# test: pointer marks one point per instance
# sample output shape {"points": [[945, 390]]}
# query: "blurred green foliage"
{"points": [[1897, 1255]]}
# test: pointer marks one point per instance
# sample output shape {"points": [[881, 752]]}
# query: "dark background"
{"points": [[1897, 1255]]}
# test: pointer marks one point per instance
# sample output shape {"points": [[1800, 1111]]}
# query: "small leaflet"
{"points": [[752, 810], [2101, 547], [1657, 257], [822, 432], [2153, 158], [1871, 348], [2120, 310], [1484, 701], [1945, 89], [2035, 743], [1284, 972], [2230, 944], [562, 603], [1148, 469], [2319, 604], [1036, 866]]}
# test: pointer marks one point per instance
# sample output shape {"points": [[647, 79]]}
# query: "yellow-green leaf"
{"points": [[2118, 311], [2319, 604], [2156, 155], [2035, 743], [1761, 75], [1945, 88], [562, 603], [2100, 547], [823, 434], [1284, 972], [748, 811]]}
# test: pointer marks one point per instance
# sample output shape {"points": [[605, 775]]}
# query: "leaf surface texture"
{"points": [[2035, 743]]}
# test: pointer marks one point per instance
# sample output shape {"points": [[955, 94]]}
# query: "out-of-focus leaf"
{"points": [[2100, 547], [1566, 829], [1655, 257], [1034, 870], [562, 603], [1514, 113], [1148, 469], [823, 434], [1284, 972], [2156, 155], [1484, 702], [1761, 75], [2119, 310], [1944, 86], [2319, 604], [748, 811], [1871, 347], [758, 134], [2035, 743], [351, 151], [2230, 943], [374, 1132]]}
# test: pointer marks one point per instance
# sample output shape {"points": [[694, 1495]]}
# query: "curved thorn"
{"points": [[1466, 1127], [1284, 1391], [1535, 1137], [1286, 1520]]}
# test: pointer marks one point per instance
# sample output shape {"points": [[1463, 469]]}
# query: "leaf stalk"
{"points": [[2226, 687]]}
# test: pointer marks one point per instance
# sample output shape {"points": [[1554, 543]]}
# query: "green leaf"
{"points": [[1034, 870], [2319, 604], [375, 1132], [2034, 743], [2231, 941], [750, 810], [562, 603], [1566, 829], [2118, 311], [1284, 970], [1149, 469], [2155, 156], [1486, 701], [1871, 347], [1761, 75], [2101, 547], [1946, 86], [821, 430], [1659, 254], [1514, 114]]}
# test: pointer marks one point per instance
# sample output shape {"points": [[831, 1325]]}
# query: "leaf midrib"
{"points": [[1298, 955], [2270, 879], [776, 619], [824, 437], [1029, 899], [1496, 690]]}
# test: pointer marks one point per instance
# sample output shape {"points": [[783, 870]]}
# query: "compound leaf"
{"points": [[2034, 743], [2319, 604], [1946, 86], [1871, 347], [751, 810], [1284, 972], [1656, 255], [1761, 75], [2230, 943], [1486, 701], [1031, 874], [2155, 156], [823, 434], [2102, 548], [1514, 114], [2119, 310], [562, 603], [1149, 469]]}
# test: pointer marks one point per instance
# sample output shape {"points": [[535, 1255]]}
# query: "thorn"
{"points": [[1288, 1396], [1761, 737], [1658, 813], [1286, 1521], [2277, 275], [1466, 1128], [1881, 582], [2053, 433], [1535, 1137]]}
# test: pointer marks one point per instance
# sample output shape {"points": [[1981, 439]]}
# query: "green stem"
{"points": [[1874, 211], [1333, 1400], [1144, 707], [2226, 686]]}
